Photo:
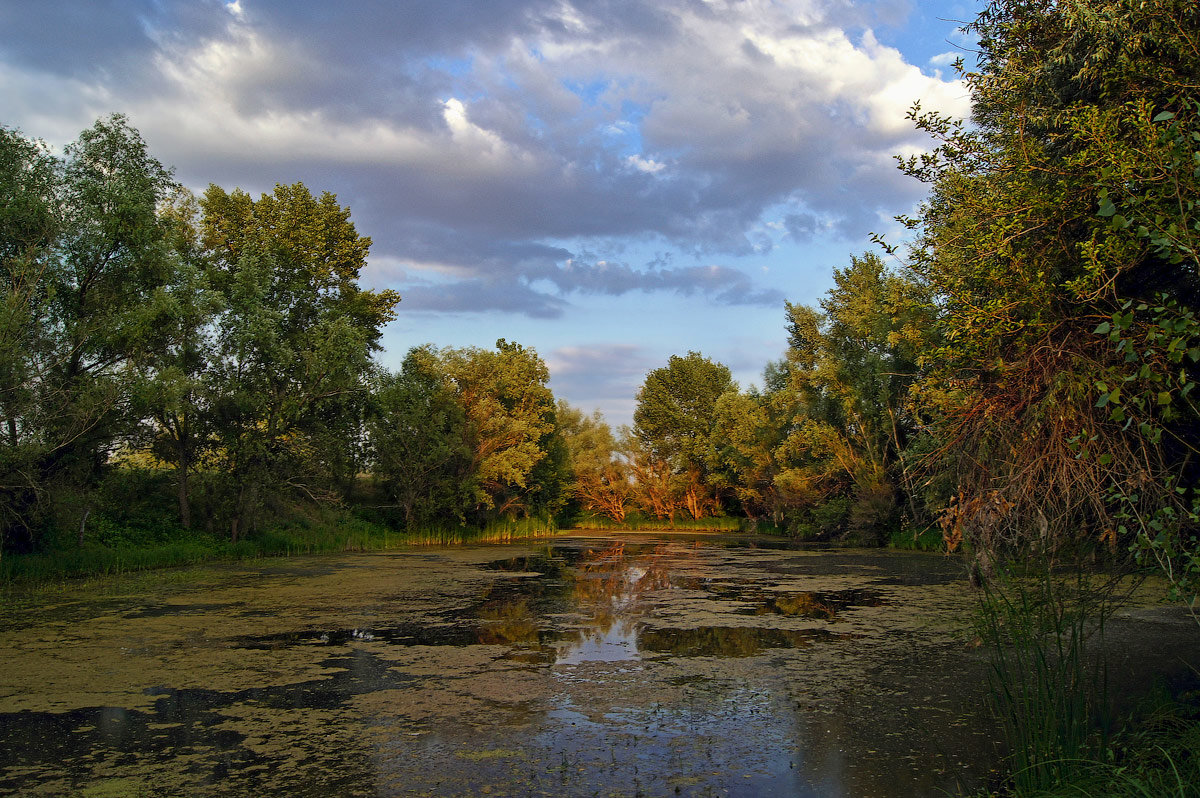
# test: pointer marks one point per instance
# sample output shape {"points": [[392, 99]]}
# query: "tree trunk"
{"points": [[83, 524], [185, 510]]}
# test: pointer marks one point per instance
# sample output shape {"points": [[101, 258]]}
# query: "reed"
{"points": [[1048, 692]]}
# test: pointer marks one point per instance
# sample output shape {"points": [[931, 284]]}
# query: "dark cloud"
{"points": [[474, 139], [503, 286], [720, 283], [110, 37], [474, 296]]}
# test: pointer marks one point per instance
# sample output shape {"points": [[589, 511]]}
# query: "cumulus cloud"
{"points": [[485, 146]]}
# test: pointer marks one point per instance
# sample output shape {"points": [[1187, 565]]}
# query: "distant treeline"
{"points": [[1022, 377]]}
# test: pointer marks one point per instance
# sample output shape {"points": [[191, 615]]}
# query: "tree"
{"points": [[673, 422], [851, 367], [601, 481], [30, 219], [1070, 197], [510, 420], [293, 343], [83, 250], [173, 368], [419, 441]]}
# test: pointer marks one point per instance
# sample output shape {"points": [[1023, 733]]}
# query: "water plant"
{"points": [[1048, 688]]}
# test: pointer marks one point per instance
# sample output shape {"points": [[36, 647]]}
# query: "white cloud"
{"points": [[525, 139], [647, 165]]}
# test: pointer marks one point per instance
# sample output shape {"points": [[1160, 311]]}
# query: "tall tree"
{"points": [[601, 480], [419, 441], [510, 420], [673, 421], [30, 221], [851, 366], [294, 340], [172, 369], [1070, 196], [84, 249]]}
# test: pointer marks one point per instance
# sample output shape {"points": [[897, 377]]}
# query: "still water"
{"points": [[622, 666]]}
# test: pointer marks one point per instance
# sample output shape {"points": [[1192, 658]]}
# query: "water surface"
{"points": [[585, 666]]}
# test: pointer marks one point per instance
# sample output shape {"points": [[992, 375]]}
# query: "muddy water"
{"points": [[587, 666]]}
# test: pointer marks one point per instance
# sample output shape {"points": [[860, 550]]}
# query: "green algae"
{"points": [[586, 666]]}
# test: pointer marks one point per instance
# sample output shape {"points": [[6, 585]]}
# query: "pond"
{"points": [[635, 665]]}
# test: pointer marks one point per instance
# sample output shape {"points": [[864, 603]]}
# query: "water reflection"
{"points": [[572, 605], [601, 666]]}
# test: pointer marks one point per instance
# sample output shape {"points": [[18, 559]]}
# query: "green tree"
{"points": [[30, 219], [851, 366], [601, 480], [293, 344], [83, 248], [172, 369], [510, 422], [673, 423], [419, 442], [1070, 196]]}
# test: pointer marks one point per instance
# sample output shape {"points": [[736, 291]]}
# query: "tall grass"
{"points": [[506, 530], [332, 531], [638, 522], [1048, 692], [1156, 755], [911, 538]]}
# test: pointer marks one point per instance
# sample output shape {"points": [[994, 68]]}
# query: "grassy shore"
{"points": [[330, 532]]}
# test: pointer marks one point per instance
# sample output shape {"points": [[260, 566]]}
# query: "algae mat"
{"points": [[634, 665]]}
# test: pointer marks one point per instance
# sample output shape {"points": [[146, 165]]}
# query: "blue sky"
{"points": [[608, 181]]}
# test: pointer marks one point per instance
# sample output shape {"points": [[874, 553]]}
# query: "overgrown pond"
{"points": [[582, 666]]}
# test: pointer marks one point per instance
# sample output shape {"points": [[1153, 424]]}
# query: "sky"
{"points": [[609, 182]]}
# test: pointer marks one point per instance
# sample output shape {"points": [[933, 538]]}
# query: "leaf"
{"points": [[1164, 397], [1163, 116], [1106, 207], [1102, 328]]}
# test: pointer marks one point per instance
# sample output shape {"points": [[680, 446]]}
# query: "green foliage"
{"points": [[81, 247], [469, 436], [673, 424], [1070, 200], [600, 481], [927, 538], [509, 420], [420, 444], [1148, 392], [292, 346]]}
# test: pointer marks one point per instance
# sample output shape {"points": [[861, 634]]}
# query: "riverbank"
{"points": [[124, 551]]}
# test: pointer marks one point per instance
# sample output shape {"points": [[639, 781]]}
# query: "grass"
{"points": [[1047, 694], [637, 522], [1155, 754], [333, 531], [917, 539]]}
